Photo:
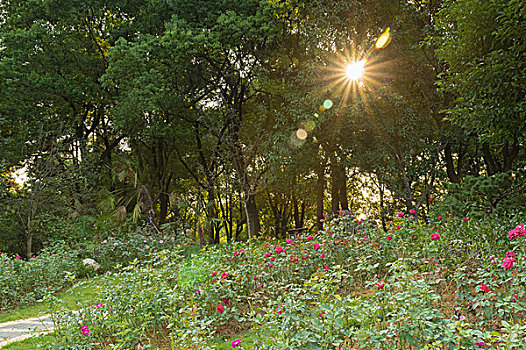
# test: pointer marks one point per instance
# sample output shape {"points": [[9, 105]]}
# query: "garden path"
{"points": [[21, 329]]}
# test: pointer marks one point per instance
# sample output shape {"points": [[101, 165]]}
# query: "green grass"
{"points": [[31, 343], [82, 291], [248, 340]]}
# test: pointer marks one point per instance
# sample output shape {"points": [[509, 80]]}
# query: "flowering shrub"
{"points": [[23, 282], [447, 284]]}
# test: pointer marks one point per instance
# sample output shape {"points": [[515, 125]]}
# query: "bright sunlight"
{"points": [[354, 71]]}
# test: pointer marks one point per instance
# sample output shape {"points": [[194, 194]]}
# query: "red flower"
{"points": [[508, 263], [380, 284], [225, 301], [224, 275], [518, 231], [310, 238], [435, 236], [412, 211], [316, 246], [220, 308], [389, 238], [485, 288]]}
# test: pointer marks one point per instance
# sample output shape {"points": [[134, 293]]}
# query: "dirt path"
{"points": [[22, 329]]}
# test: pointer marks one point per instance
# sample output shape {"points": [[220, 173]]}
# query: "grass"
{"points": [[82, 291], [37, 342], [248, 340]]}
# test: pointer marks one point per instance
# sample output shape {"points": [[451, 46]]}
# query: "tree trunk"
{"points": [[252, 214], [163, 207], [29, 245], [320, 191], [343, 188], [210, 215], [450, 166], [201, 235], [335, 189]]}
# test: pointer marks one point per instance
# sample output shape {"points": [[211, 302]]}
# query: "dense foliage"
{"points": [[455, 283], [167, 111], [147, 134]]}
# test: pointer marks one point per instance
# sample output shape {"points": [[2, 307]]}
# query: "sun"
{"points": [[355, 70]]}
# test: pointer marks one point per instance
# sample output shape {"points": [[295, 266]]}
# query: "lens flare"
{"points": [[301, 134], [327, 104], [310, 125], [354, 71], [384, 39]]}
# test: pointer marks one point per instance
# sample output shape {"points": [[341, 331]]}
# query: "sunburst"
{"points": [[355, 72]]}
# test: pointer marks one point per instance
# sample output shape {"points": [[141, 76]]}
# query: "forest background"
{"points": [[211, 115]]}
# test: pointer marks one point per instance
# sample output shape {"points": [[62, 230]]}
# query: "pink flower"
{"points": [[509, 254], [236, 343], [280, 309], [161, 241], [214, 273], [516, 232], [464, 219], [255, 277], [440, 218], [270, 265], [326, 267], [310, 238], [316, 246], [224, 275], [321, 314], [400, 214], [380, 284], [172, 239], [279, 249], [272, 258], [147, 247], [289, 241], [398, 227], [412, 211], [484, 288], [515, 297], [115, 244], [296, 260], [267, 255], [84, 329], [389, 238], [220, 308], [435, 236], [155, 250], [322, 255], [480, 343], [508, 263], [225, 301], [431, 198]]}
